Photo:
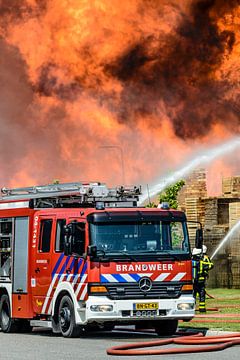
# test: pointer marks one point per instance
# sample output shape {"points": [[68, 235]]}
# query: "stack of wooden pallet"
{"points": [[213, 235], [231, 186], [190, 200], [211, 212], [236, 274], [195, 187], [234, 213], [217, 214], [195, 212], [234, 217]]}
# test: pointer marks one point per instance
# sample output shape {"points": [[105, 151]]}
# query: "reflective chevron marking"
{"points": [[127, 278], [162, 277], [59, 275], [80, 285], [179, 276], [123, 277]]}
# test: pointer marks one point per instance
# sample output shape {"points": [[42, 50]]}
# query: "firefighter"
{"points": [[201, 267], [206, 260]]}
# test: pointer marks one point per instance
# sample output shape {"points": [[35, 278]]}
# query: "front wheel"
{"points": [[7, 324], [166, 327], [66, 318]]}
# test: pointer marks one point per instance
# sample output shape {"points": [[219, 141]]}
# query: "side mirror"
{"points": [[92, 250], [67, 246], [199, 238], [69, 231]]}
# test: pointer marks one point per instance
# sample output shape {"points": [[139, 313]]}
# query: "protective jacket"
{"points": [[201, 267], [204, 266]]}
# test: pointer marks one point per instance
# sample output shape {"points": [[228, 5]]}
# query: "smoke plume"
{"points": [[153, 79]]}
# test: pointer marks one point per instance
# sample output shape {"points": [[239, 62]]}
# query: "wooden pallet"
{"points": [[231, 186], [234, 213]]}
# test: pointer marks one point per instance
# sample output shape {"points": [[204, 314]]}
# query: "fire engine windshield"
{"points": [[140, 237]]}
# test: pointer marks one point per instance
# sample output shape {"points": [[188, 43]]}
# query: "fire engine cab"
{"points": [[82, 256]]}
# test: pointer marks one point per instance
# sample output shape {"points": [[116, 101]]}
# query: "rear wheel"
{"points": [[66, 318], [166, 327], [7, 324]]}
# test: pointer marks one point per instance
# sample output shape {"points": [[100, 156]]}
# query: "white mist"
{"points": [[228, 237], [203, 158]]}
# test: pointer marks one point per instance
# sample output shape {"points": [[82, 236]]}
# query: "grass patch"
{"points": [[228, 302]]}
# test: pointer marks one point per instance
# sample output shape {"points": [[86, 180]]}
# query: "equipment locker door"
{"points": [[42, 267]]}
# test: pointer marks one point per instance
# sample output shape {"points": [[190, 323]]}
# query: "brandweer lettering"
{"points": [[144, 267]]}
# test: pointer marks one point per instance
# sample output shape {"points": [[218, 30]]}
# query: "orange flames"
{"points": [[153, 79]]}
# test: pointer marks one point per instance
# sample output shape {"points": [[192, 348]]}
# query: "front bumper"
{"points": [[123, 310]]}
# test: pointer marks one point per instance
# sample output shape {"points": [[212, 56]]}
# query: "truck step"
{"points": [[41, 323]]}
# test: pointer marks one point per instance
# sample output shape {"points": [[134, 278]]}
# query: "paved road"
{"points": [[42, 345]]}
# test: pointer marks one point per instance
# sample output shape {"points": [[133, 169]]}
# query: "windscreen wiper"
{"points": [[101, 255], [128, 256], [165, 252], [100, 252]]}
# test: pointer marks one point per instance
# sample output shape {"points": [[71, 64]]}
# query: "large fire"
{"points": [[153, 80]]}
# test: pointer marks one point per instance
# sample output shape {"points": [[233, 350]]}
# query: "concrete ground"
{"points": [[41, 344]]}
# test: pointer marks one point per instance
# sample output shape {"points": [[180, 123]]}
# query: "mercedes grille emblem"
{"points": [[145, 284]]}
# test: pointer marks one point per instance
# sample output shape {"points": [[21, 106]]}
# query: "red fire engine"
{"points": [[81, 256]]}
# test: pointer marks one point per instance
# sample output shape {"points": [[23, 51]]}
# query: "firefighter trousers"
{"points": [[199, 288]]}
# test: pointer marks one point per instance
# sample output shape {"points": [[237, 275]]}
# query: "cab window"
{"points": [[45, 235], [79, 239], [59, 239]]}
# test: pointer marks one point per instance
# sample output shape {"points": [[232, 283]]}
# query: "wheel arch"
{"points": [[63, 289], [55, 322], [7, 291], [3, 291]]}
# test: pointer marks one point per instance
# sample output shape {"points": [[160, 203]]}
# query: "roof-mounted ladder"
{"points": [[56, 195]]}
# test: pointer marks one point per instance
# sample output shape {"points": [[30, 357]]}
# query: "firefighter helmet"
{"points": [[196, 251]]}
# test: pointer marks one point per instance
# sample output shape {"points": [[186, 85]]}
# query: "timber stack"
{"points": [[191, 201], [218, 215]]}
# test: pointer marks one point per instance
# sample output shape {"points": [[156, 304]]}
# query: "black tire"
{"points": [[166, 327], [66, 318], [7, 324]]}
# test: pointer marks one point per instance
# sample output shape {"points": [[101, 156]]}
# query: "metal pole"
{"points": [[121, 157]]}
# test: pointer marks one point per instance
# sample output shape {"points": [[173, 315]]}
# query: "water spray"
{"points": [[233, 230], [204, 158]]}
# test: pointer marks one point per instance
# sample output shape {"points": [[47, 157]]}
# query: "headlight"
{"points": [[101, 308], [185, 306]]}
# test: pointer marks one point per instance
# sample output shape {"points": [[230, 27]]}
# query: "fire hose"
{"points": [[214, 343], [217, 318], [222, 341]]}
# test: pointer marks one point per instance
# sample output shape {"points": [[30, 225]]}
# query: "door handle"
{"points": [[37, 270]]}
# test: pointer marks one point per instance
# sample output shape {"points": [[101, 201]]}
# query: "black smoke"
{"points": [[176, 70], [180, 72]]}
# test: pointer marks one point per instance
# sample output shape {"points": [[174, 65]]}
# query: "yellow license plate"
{"points": [[145, 306]]}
